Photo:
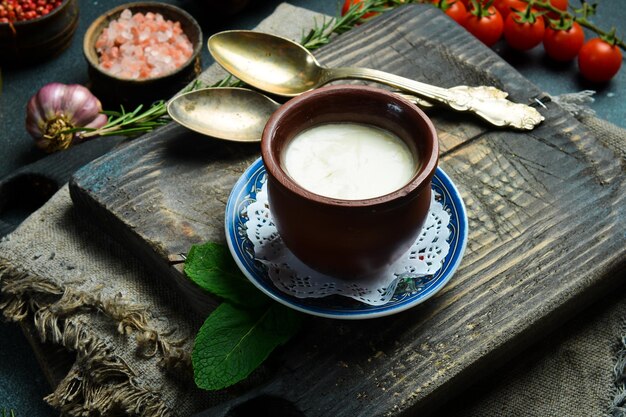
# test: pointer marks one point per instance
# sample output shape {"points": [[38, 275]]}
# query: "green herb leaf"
{"points": [[233, 342], [212, 268]]}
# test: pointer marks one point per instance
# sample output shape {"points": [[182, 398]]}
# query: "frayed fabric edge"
{"points": [[99, 382], [576, 104], [618, 406]]}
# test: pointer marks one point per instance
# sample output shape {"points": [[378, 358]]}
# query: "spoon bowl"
{"points": [[268, 62], [230, 113]]}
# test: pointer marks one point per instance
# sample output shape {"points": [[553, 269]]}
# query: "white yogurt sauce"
{"points": [[349, 161]]}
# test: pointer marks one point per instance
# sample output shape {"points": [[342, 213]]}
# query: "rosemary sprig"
{"points": [[127, 123], [322, 34], [136, 122], [228, 81]]}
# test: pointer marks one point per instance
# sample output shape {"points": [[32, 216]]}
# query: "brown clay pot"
{"points": [[349, 238]]}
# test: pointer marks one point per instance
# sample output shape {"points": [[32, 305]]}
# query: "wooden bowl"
{"points": [[31, 41], [114, 90], [349, 238]]}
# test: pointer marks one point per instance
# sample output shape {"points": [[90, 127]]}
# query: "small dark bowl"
{"points": [[113, 90], [32, 41], [349, 238]]}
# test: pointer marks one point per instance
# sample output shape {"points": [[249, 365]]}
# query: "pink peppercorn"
{"points": [[21, 10]]}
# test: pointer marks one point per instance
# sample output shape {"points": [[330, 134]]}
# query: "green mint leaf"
{"points": [[212, 268], [233, 342]]}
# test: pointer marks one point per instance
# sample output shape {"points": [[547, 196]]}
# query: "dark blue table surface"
{"points": [[22, 385]]}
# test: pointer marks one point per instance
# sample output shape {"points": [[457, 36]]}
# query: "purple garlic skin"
{"points": [[57, 107]]}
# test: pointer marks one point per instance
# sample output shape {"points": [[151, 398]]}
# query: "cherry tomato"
{"points": [[523, 31], [563, 45], [348, 3], [486, 24], [506, 6], [598, 60], [453, 8]]}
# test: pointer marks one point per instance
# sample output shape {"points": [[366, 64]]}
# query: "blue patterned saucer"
{"points": [[409, 292]]}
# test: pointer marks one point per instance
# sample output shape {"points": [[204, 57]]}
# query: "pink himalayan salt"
{"points": [[139, 46]]}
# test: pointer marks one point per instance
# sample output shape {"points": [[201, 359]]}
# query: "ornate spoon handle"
{"points": [[488, 102]]}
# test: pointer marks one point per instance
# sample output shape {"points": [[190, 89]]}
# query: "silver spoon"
{"points": [[236, 114], [280, 66]]}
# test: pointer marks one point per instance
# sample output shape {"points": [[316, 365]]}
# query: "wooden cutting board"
{"points": [[547, 233]]}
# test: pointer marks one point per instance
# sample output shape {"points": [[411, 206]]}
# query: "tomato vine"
{"points": [[582, 16]]}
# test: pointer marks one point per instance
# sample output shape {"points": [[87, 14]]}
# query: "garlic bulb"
{"points": [[57, 108]]}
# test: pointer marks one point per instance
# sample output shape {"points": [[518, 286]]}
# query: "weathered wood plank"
{"points": [[161, 208], [547, 231]]}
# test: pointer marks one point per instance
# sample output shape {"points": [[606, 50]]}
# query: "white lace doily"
{"points": [[293, 277]]}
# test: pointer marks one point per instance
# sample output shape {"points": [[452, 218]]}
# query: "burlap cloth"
{"points": [[132, 338]]}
